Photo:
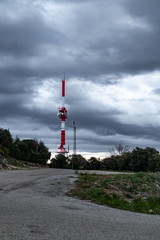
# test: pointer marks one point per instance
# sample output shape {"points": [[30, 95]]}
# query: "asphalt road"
{"points": [[33, 206]]}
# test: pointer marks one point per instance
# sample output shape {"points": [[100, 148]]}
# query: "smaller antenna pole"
{"points": [[74, 138]]}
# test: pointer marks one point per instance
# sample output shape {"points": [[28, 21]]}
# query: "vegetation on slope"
{"points": [[21, 152], [138, 192]]}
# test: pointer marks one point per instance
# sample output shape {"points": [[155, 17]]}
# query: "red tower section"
{"points": [[62, 115]]}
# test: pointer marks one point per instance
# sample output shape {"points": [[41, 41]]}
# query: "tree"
{"points": [[110, 163], [94, 163], [119, 149], [44, 154], [154, 163], [30, 150], [6, 139], [139, 159], [78, 162], [60, 161]]}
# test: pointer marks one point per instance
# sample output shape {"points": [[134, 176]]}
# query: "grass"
{"points": [[138, 192]]}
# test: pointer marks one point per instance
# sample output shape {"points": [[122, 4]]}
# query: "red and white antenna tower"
{"points": [[63, 115]]}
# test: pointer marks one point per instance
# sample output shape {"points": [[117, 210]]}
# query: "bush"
{"points": [[6, 139], [60, 161], [78, 162], [154, 163], [110, 163], [30, 150], [139, 159], [147, 159], [2, 152]]}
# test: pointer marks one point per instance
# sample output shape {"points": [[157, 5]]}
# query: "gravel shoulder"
{"points": [[33, 205]]}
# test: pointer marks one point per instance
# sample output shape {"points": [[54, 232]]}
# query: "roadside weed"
{"points": [[138, 192]]}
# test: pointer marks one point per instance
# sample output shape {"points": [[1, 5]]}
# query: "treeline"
{"points": [[139, 159], [30, 150]]}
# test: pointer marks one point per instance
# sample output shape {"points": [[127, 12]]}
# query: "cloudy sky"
{"points": [[110, 52]]}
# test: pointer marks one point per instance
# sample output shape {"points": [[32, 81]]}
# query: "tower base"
{"points": [[62, 150]]}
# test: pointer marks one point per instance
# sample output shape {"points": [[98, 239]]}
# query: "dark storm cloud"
{"points": [[115, 49], [145, 43], [143, 8], [13, 87], [108, 125], [23, 42], [14, 106], [24, 36]]}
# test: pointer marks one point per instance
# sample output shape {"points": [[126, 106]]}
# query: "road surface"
{"points": [[33, 206]]}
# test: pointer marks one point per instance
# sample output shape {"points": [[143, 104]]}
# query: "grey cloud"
{"points": [[27, 36], [13, 108], [146, 9], [125, 42], [108, 50], [157, 91]]}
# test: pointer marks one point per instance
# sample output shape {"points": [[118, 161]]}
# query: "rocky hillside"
{"points": [[11, 163]]}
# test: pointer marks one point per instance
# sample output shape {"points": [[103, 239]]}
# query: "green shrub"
{"points": [[2, 152]]}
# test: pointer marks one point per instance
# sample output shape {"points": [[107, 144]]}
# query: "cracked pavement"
{"points": [[33, 206]]}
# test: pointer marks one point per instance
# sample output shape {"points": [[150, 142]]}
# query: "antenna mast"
{"points": [[74, 138], [63, 115]]}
